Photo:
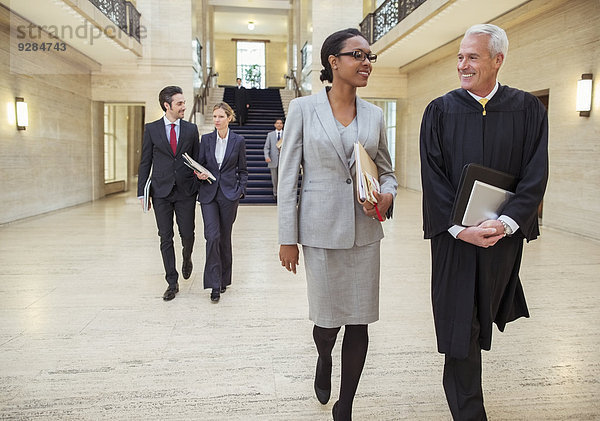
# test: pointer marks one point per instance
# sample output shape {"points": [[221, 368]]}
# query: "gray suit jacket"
{"points": [[328, 214], [271, 150]]}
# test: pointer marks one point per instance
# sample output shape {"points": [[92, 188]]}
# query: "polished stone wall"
{"points": [[56, 162]]}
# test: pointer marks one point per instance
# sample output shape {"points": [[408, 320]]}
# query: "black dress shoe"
{"points": [[186, 269], [323, 378], [170, 292], [215, 295], [223, 289], [334, 411]]}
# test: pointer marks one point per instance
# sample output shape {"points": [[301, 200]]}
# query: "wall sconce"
{"points": [[251, 25], [584, 95], [22, 114]]}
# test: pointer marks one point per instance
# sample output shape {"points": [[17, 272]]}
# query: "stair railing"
{"points": [[201, 100], [292, 77]]}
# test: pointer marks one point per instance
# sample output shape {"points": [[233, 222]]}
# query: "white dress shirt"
{"points": [[456, 229], [221, 147], [168, 127]]}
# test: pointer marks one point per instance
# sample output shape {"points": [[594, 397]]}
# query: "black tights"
{"points": [[354, 353]]}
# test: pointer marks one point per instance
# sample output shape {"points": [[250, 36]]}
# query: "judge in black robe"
{"points": [[473, 287]]}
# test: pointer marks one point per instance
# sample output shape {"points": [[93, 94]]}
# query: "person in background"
{"points": [[223, 153], [475, 270], [174, 187], [340, 238], [242, 102], [273, 144]]}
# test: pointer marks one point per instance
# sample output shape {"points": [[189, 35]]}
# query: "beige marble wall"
{"points": [[548, 50], [51, 164], [328, 17], [277, 65], [167, 60], [225, 61]]}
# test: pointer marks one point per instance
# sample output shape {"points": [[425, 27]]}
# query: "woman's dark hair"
{"points": [[332, 45], [166, 95]]}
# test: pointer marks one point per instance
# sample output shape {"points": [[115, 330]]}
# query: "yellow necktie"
{"points": [[483, 101]]}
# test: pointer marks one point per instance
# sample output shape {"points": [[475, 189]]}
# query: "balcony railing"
{"points": [[122, 13], [385, 17]]}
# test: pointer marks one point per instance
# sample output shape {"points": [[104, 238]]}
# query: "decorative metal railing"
{"points": [[385, 17], [134, 21], [122, 13]]}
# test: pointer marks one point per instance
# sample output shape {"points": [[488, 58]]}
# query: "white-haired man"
{"points": [[475, 270]]}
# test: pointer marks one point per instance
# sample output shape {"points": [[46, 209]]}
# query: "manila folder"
{"points": [[367, 177]]}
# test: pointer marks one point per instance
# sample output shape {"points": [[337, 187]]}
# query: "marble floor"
{"points": [[85, 334]]}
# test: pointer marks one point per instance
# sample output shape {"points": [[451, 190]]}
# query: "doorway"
{"points": [[251, 61], [123, 130]]}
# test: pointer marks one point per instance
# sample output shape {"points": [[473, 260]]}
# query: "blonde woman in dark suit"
{"points": [[223, 153], [340, 238]]}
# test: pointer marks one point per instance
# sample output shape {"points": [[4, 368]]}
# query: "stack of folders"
{"points": [[147, 195], [482, 194], [187, 160], [367, 177]]}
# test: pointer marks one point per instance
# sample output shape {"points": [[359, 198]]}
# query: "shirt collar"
{"points": [[488, 96], [222, 139], [168, 123]]}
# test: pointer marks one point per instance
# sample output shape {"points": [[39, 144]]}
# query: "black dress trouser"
{"points": [[184, 208], [462, 381]]}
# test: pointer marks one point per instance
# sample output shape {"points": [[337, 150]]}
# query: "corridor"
{"points": [[85, 334]]}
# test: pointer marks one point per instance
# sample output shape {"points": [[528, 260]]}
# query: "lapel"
{"points": [[363, 120], [211, 146], [163, 141], [328, 124], [181, 137], [230, 143]]}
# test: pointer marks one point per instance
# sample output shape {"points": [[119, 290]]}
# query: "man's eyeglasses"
{"points": [[359, 55]]}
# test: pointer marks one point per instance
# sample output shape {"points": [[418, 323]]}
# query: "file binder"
{"points": [[147, 195], [482, 194]]}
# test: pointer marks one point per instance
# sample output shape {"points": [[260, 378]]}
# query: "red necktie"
{"points": [[173, 139]]}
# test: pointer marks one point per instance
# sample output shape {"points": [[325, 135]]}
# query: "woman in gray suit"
{"points": [[340, 238]]}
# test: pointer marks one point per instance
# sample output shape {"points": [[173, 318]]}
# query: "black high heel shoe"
{"points": [[323, 371]]}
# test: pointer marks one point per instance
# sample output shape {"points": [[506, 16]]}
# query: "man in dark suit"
{"points": [[241, 102], [174, 186]]}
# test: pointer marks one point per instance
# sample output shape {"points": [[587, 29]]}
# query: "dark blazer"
{"points": [[167, 169], [232, 178], [241, 98]]}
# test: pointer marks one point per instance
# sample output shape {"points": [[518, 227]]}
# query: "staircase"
{"points": [[265, 108]]}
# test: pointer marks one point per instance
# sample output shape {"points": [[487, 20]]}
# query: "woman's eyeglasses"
{"points": [[359, 55]]}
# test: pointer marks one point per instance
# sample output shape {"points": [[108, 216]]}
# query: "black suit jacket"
{"points": [[232, 177], [168, 170], [241, 98]]}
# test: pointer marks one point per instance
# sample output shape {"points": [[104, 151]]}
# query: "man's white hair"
{"points": [[498, 38]]}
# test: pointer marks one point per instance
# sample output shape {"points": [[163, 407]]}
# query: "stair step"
{"points": [[265, 109]]}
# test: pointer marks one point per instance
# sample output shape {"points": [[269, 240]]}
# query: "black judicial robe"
{"points": [[512, 137]]}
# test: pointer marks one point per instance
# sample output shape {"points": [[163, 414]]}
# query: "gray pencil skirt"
{"points": [[343, 285]]}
